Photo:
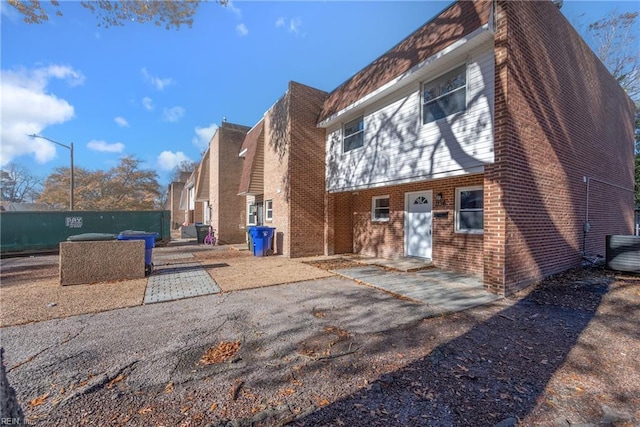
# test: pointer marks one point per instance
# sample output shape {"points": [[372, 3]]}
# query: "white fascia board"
{"points": [[417, 72]]}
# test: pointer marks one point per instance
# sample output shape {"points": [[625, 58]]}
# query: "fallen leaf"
{"points": [[185, 409], [145, 411], [39, 400], [168, 388], [286, 392], [213, 406], [114, 381], [323, 402], [223, 352]]}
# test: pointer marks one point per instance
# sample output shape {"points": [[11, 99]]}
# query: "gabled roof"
{"points": [[250, 150], [458, 20]]}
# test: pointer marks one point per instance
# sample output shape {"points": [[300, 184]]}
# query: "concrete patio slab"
{"points": [[441, 291]]}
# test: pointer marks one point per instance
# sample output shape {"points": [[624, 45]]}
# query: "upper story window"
{"points": [[353, 135], [469, 210], [380, 208], [445, 95]]}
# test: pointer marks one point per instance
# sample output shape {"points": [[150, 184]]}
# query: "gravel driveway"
{"points": [[331, 352]]}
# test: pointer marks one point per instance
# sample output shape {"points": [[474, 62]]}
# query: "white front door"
{"points": [[417, 229]]}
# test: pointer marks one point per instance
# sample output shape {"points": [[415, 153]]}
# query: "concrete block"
{"points": [[101, 261]]}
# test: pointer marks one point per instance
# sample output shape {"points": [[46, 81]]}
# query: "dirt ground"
{"points": [[32, 293], [242, 270], [30, 290]]}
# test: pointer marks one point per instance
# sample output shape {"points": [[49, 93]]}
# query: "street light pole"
{"points": [[70, 148]]}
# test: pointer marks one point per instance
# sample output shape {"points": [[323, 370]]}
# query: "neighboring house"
{"points": [[226, 209], [491, 141], [193, 211], [283, 174], [174, 192]]}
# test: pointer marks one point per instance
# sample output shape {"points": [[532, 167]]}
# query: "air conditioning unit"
{"points": [[623, 253]]}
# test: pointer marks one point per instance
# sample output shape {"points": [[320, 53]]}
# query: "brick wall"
{"points": [[294, 171], [559, 116], [227, 208], [451, 251], [306, 171], [177, 214], [277, 146]]}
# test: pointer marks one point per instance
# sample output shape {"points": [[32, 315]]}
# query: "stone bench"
{"points": [[101, 261]]}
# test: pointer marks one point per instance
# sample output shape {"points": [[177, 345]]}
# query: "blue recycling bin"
{"points": [[149, 244], [262, 238]]}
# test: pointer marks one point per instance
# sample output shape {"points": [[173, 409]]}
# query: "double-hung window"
{"points": [[445, 95], [252, 214], [353, 135], [380, 208], [268, 210], [469, 210]]}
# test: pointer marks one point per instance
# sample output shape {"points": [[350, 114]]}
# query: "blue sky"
{"points": [[159, 94]]}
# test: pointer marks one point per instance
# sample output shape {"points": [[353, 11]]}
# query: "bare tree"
{"points": [[183, 166], [18, 185], [614, 39], [170, 14]]}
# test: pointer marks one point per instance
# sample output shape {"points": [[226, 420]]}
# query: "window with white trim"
{"points": [[353, 135], [268, 210], [445, 95], [469, 209], [380, 208], [252, 214], [192, 199]]}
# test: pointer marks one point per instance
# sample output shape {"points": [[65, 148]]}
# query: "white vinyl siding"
{"points": [[353, 135], [399, 148]]}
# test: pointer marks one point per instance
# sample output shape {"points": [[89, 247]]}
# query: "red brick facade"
{"points": [[560, 120], [559, 117], [227, 209], [354, 231], [294, 171]]}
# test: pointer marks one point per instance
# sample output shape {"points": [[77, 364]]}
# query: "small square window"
{"points": [[469, 210], [268, 210], [353, 135], [380, 208]]}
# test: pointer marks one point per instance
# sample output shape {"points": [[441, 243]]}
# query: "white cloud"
{"points": [[168, 160], [173, 115], [147, 103], [157, 82], [28, 107], [232, 7], [294, 25], [121, 121], [242, 29], [204, 135], [104, 147]]}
